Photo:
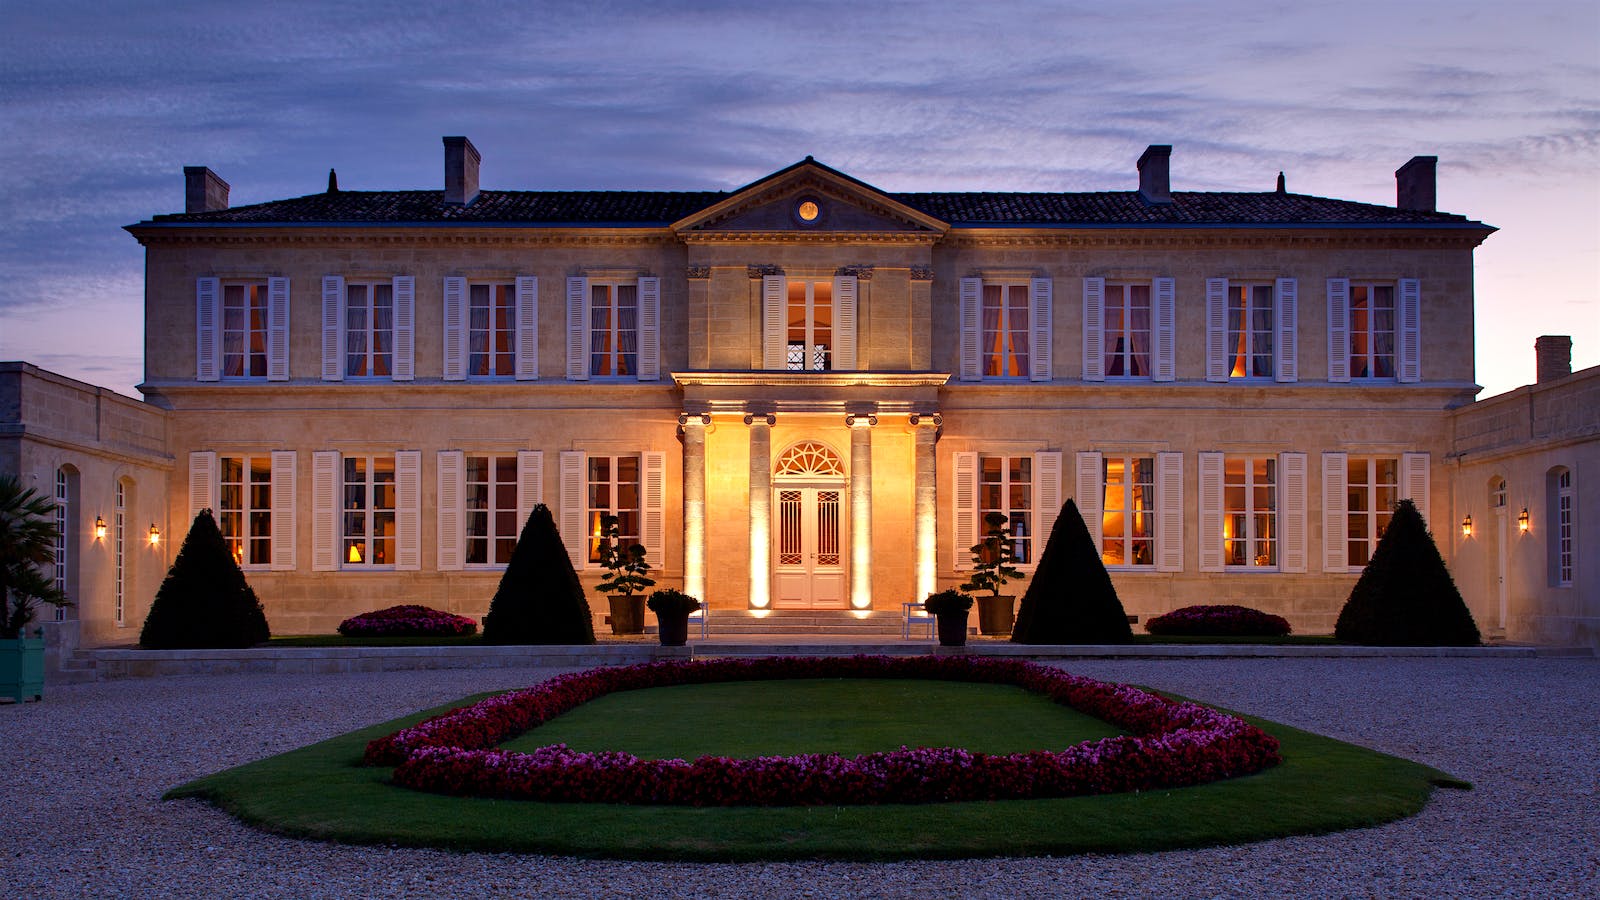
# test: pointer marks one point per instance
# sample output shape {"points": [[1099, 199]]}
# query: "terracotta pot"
{"points": [[953, 629], [627, 613], [673, 629], [996, 615]]}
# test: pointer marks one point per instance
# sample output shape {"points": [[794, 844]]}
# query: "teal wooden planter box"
{"points": [[22, 667]]}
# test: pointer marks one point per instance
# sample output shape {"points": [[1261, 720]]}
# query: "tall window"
{"points": [[1250, 331], [369, 511], [244, 330], [369, 330], [1127, 330], [613, 330], [1005, 486], [1250, 511], [63, 493], [491, 507], [1372, 486], [810, 341], [1127, 521], [492, 329], [1563, 528], [1497, 493], [119, 545], [613, 490], [1372, 331], [244, 508], [1005, 330]]}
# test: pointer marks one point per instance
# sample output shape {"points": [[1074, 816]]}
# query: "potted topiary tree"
{"points": [[672, 609], [992, 566], [27, 542], [950, 608], [625, 579]]}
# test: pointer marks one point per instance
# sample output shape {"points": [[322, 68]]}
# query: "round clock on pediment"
{"points": [[807, 211]]}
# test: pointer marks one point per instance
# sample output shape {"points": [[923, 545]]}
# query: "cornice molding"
{"points": [[1248, 239]]}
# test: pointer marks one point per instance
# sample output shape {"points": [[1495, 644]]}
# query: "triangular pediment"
{"points": [[809, 197]]}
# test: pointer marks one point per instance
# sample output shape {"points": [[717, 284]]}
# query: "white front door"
{"points": [[809, 547]]}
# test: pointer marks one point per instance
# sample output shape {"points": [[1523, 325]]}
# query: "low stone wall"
{"points": [[335, 660]]}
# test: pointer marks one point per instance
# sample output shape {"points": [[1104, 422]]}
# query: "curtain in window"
{"points": [[993, 337], [478, 331], [1139, 336], [382, 329], [355, 331], [627, 329]]}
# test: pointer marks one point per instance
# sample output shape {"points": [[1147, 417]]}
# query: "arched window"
{"points": [[67, 537], [809, 459], [1497, 492], [121, 545], [1560, 525]]}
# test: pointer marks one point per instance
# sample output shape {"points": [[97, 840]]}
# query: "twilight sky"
{"points": [[103, 103]]}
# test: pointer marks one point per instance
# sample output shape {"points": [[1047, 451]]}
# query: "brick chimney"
{"points": [[1155, 178], [1415, 184], [1553, 353], [460, 171], [203, 191]]}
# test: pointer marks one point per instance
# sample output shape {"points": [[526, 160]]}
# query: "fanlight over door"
{"points": [[810, 530]]}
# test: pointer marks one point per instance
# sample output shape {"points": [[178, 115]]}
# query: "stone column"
{"points": [[760, 508], [861, 509], [926, 430], [694, 504]]}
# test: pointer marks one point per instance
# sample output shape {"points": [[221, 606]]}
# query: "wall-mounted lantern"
{"points": [[1522, 520], [99, 528], [1466, 526], [155, 534]]}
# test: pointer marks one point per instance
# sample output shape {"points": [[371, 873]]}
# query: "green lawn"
{"points": [[322, 792]]}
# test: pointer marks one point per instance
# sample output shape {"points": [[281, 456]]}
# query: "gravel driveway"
{"points": [[82, 773]]}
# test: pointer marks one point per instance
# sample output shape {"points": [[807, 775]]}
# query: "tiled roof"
{"points": [[660, 208]]}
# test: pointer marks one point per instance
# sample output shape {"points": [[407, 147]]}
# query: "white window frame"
{"points": [[1017, 352], [369, 331], [1151, 512], [614, 331], [1376, 518], [1564, 510], [1371, 333], [613, 485], [119, 541], [255, 301], [1030, 543], [242, 545], [1118, 298], [491, 512], [815, 356], [63, 498], [500, 338], [1249, 293], [1250, 512], [369, 510]]}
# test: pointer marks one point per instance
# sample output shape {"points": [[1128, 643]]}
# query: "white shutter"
{"points": [[277, 329], [1335, 477], [845, 322], [1040, 298], [1339, 333], [283, 510], [527, 328], [325, 507], [575, 505], [774, 322], [452, 510], [1169, 512], [1094, 327], [208, 329], [530, 484], [1415, 481], [404, 288], [455, 329], [649, 329], [971, 337], [408, 510], [202, 483], [653, 476], [1046, 497], [1211, 559], [964, 514], [1287, 317], [1216, 346], [577, 329], [1164, 332], [1293, 549], [333, 299], [1091, 495], [1410, 330]]}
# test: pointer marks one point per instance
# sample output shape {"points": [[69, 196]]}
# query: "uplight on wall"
{"points": [[99, 528], [155, 534], [1522, 520], [1466, 526]]}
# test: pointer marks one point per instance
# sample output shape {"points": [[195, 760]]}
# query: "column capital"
{"points": [[694, 418], [860, 420], [764, 418], [927, 420]]}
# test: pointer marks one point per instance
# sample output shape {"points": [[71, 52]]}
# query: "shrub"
{"points": [[205, 601], [1405, 596], [1071, 599], [1219, 621], [667, 602], [540, 600], [407, 621], [993, 557], [27, 544], [945, 603], [624, 567]]}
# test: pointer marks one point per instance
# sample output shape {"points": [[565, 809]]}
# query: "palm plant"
{"points": [[27, 542]]}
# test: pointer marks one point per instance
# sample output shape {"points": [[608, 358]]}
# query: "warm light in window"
{"points": [[355, 553], [155, 534], [1522, 521], [1466, 526], [99, 528], [808, 211]]}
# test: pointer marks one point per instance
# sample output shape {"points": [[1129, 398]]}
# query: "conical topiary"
{"points": [[1405, 596], [540, 600], [205, 601], [1070, 599]]}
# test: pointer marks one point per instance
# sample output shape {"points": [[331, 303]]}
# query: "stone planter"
{"points": [[996, 615], [673, 628], [627, 613], [953, 629], [22, 667]]}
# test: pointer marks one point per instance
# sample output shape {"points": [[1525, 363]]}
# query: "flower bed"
{"points": [[407, 621], [1219, 621], [1170, 745]]}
